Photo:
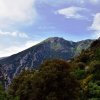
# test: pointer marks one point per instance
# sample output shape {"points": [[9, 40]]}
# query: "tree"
{"points": [[52, 81], [95, 69], [21, 85], [3, 95], [79, 70]]}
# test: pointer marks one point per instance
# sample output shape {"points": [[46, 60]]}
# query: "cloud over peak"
{"points": [[72, 12]]}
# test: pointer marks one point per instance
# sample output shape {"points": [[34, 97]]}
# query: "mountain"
{"points": [[51, 48], [91, 54], [84, 44]]}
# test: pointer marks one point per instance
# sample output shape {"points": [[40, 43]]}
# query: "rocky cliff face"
{"points": [[52, 48]]}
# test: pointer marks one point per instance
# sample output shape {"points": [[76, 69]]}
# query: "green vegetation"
{"points": [[59, 80], [89, 76], [53, 81], [5, 96]]}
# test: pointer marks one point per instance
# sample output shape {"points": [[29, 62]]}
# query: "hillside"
{"points": [[91, 54], [51, 48], [87, 71]]}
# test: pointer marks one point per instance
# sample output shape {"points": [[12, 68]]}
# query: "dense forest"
{"points": [[77, 79]]}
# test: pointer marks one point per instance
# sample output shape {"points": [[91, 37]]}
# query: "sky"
{"points": [[24, 23]]}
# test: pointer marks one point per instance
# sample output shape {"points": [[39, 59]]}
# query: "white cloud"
{"points": [[15, 49], [72, 12], [96, 23], [14, 34], [16, 11], [96, 26]]}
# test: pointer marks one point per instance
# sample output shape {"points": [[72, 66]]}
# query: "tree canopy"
{"points": [[53, 81]]}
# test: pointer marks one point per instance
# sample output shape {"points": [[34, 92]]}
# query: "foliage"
{"points": [[90, 76], [4, 95], [52, 81], [22, 85], [79, 70]]}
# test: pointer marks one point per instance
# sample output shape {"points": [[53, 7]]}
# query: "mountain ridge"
{"points": [[51, 48]]}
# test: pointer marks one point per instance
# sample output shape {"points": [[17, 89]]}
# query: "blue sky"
{"points": [[26, 23]]}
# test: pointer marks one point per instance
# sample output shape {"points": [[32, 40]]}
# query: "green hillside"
{"points": [[87, 71]]}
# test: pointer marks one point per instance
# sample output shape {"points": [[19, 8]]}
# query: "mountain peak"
{"points": [[54, 39], [51, 48]]}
